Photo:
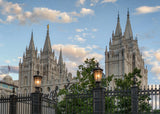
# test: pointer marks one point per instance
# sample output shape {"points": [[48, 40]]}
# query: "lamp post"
{"points": [[37, 96], [98, 92]]}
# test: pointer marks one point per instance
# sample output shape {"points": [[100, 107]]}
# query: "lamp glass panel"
{"points": [[98, 75], [37, 81]]}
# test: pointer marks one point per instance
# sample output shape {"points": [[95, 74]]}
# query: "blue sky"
{"points": [[81, 27]]}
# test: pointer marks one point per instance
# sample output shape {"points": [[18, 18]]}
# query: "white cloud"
{"points": [[2, 76], [39, 14], [94, 30], [152, 58], [7, 61], [75, 14], [79, 30], [75, 55], [10, 8], [81, 39], [80, 2], [85, 34], [15, 11], [157, 55], [10, 18], [106, 1], [19, 57], [147, 9], [95, 55], [91, 4], [85, 11], [94, 2]]}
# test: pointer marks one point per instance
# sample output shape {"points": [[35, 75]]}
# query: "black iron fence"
{"points": [[135, 100], [79, 103], [34, 103]]}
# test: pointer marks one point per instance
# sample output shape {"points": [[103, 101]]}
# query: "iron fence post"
{"points": [[36, 103], [99, 100], [134, 98], [13, 104]]}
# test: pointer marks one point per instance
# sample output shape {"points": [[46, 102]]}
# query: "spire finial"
{"points": [[128, 30], [48, 27], [118, 17], [31, 45], [128, 12], [118, 27], [47, 44]]}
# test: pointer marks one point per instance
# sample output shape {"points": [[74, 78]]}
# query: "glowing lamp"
{"points": [[37, 81], [97, 74]]}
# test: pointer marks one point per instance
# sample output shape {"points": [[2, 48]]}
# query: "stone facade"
{"points": [[124, 55], [54, 72]]}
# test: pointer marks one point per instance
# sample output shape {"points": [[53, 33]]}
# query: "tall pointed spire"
{"points": [[60, 61], [118, 27], [47, 45], [128, 30], [31, 45]]}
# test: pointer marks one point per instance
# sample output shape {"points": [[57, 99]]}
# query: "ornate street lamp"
{"points": [[97, 74], [37, 81], [98, 92]]}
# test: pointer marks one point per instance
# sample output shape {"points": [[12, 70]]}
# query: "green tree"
{"points": [[84, 85], [125, 84]]}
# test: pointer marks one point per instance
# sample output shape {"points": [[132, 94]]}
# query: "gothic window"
{"points": [[25, 80], [48, 89], [25, 91], [44, 69], [133, 63]]}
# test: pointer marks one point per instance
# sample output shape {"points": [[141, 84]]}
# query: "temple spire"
{"points": [[47, 45], [60, 61], [118, 27], [31, 45], [128, 30]]}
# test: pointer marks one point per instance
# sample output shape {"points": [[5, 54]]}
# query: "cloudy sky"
{"points": [[82, 28]]}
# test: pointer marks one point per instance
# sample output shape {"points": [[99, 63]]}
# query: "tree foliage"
{"points": [[126, 83], [85, 83]]}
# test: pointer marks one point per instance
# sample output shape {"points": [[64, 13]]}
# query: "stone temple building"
{"points": [[54, 72], [124, 54]]}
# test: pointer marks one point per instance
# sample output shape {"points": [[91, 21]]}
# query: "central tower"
{"points": [[124, 55]]}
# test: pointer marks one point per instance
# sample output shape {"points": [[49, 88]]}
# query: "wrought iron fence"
{"points": [[34, 103], [135, 100], [79, 103]]}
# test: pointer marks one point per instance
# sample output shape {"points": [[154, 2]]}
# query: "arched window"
{"points": [[48, 89], [25, 91]]}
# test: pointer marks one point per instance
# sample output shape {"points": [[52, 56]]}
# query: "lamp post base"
{"points": [[98, 100]]}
